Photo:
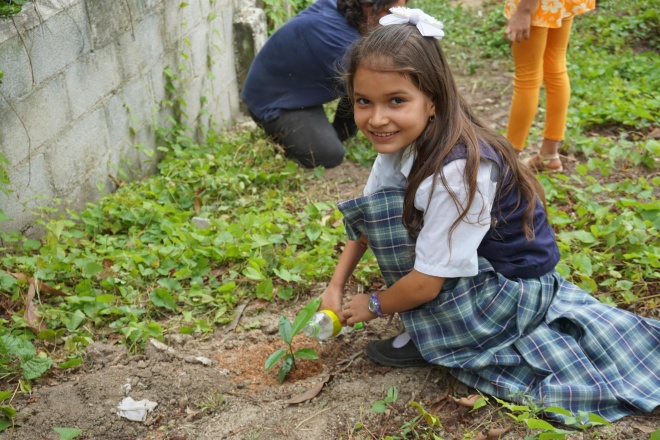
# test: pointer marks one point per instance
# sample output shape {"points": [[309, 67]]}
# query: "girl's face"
{"points": [[389, 109]]}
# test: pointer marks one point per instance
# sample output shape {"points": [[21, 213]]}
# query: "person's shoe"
{"points": [[398, 352], [542, 162]]}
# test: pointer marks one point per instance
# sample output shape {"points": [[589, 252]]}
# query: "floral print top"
{"points": [[551, 12]]}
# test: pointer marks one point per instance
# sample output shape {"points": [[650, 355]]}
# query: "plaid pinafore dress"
{"points": [[536, 339]]}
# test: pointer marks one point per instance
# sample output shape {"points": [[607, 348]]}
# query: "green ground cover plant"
{"points": [[226, 220]]}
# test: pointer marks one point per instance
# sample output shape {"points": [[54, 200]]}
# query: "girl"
{"points": [[539, 31], [460, 233]]}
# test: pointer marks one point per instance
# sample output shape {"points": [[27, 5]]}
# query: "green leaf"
{"points": [[92, 268], [286, 366], [4, 424], [67, 433], [305, 315], [655, 435], [162, 298], [8, 411], [274, 358], [378, 407], [74, 362], [313, 231], [306, 353], [4, 395], [77, 318], [539, 424], [265, 290], [35, 367], [551, 436], [253, 274], [228, 287], [14, 346], [285, 330], [558, 410], [595, 419], [481, 402], [584, 236]]}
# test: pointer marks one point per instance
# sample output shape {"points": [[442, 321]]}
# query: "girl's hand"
{"points": [[520, 22], [357, 310], [518, 27], [331, 300]]}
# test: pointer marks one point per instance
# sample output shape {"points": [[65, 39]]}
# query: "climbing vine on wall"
{"points": [[10, 7]]}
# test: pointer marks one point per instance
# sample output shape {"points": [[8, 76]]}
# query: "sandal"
{"points": [[544, 159], [398, 352]]}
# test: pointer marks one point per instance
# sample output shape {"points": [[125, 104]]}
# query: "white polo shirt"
{"points": [[433, 255]]}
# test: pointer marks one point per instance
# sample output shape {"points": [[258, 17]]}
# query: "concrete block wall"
{"points": [[83, 84]]}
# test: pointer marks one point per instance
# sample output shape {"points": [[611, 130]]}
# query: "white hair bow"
{"points": [[427, 25]]}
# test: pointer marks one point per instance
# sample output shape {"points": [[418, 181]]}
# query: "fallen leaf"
{"points": [[468, 401], [310, 393], [238, 312], [481, 436], [197, 204], [498, 432], [34, 322], [645, 429], [42, 287]]}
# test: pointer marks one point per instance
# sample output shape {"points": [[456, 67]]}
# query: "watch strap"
{"points": [[376, 304]]}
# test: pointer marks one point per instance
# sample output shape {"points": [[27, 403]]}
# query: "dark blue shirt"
{"points": [[299, 64]]}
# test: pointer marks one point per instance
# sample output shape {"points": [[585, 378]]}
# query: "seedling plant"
{"points": [[288, 331]]}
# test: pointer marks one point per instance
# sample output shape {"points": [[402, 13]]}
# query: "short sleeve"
{"points": [[435, 253]]}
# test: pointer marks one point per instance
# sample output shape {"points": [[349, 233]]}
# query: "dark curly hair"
{"points": [[352, 9]]}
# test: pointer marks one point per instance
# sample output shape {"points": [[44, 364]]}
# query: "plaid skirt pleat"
{"points": [[542, 340]]}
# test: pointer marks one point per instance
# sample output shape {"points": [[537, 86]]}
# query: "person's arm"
{"points": [[350, 257], [408, 292], [520, 22]]}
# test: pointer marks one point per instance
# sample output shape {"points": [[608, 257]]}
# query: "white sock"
{"points": [[401, 340]]}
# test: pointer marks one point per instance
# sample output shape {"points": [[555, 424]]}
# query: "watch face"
{"points": [[372, 306]]}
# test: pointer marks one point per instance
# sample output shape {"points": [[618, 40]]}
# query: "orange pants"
{"points": [[540, 60]]}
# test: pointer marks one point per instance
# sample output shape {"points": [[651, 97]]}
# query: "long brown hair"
{"points": [[402, 49]]}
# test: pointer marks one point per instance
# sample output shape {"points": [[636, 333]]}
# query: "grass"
{"points": [[140, 263]]}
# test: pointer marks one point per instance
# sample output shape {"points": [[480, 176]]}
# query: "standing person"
{"points": [[462, 239], [539, 31], [296, 72]]}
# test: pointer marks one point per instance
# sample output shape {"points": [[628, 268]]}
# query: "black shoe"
{"points": [[384, 353]]}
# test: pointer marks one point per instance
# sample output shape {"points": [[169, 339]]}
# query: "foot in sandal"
{"points": [[550, 163]]}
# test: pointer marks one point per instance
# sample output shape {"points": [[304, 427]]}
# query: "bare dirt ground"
{"points": [[214, 387]]}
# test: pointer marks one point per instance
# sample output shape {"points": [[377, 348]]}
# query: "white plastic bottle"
{"points": [[325, 325]]}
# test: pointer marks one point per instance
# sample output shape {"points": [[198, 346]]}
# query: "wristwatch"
{"points": [[374, 305]]}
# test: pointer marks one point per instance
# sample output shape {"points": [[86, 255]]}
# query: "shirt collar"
{"points": [[407, 160]]}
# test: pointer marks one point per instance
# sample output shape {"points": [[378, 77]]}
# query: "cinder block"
{"points": [[91, 78], [128, 110], [199, 48], [140, 48], [79, 153], [128, 161], [45, 111], [29, 188], [14, 139], [33, 15], [58, 42], [157, 75], [179, 22], [17, 80], [108, 19]]}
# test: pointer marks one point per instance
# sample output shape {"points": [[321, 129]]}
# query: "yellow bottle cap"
{"points": [[336, 325]]}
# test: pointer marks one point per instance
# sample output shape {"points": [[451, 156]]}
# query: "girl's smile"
{"points": [[389, 109]]}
